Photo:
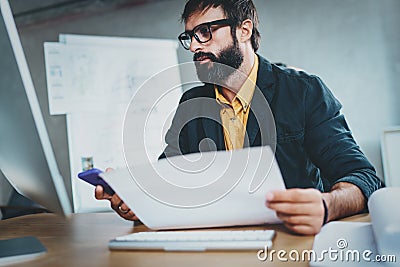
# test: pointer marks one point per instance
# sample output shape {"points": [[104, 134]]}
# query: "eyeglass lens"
{"points": [[202, 34]]}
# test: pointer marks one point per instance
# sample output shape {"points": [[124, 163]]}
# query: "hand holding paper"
{"points": [[301, 210], [229, 189], [116, 203]]}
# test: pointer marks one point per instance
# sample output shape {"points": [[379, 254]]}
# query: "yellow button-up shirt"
{"points": [[234, 115]]}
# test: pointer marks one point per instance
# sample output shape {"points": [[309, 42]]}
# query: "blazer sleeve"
{"points": [[330, 144]]}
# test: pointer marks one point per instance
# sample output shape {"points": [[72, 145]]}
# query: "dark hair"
{"points": [[235, 10]]}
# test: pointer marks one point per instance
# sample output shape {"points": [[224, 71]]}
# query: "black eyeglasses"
{"points": [[201, 32]]}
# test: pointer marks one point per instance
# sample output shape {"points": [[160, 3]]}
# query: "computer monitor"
{"points": [[26, 156]]}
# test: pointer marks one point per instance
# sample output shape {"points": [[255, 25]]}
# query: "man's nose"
{"points": [[195, 45]]}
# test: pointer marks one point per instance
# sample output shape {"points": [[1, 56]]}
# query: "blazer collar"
{"points": [[265, 78]]}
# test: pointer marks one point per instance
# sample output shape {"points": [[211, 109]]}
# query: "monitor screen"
{"points": [[26, 156]]}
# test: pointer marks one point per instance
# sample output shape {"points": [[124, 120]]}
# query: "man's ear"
{"points": [[245, 31]]}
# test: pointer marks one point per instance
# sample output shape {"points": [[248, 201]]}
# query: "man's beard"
{"points": [[229, 60]]}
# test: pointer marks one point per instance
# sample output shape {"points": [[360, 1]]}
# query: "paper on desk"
{"points": [[201, 190]]}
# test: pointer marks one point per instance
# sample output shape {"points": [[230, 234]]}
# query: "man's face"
{"points": [[223, 48]]}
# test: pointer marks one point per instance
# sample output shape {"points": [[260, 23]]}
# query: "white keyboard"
{"points": [[194, 240]]}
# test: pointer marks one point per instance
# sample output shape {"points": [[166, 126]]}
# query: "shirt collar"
{"points": [[246, 92]]}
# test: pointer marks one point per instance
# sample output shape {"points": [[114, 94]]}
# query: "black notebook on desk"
{"points": [[20, 249]]}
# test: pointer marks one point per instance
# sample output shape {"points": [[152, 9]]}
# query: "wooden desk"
{"points": [[82, 240]]}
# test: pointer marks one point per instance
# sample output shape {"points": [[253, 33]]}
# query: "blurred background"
{"points": [[353, 45]]}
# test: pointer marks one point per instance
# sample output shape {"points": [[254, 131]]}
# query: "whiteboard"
{"points": [[390, 144], [92, 79], [80, 77]]}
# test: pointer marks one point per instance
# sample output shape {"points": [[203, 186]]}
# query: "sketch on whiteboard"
{"points": [[92, 79]]}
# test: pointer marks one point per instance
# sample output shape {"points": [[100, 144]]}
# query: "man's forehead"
{"points": [[203, 16]]}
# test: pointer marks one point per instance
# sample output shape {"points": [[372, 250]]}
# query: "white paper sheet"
{"points": [[217, 194]]}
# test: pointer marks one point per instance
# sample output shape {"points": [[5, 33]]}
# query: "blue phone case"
{"points": [[92, 177]]}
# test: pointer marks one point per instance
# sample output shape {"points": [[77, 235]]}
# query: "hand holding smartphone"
{"points": [[92, 177]]}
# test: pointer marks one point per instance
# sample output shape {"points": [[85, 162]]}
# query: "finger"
{"points": [[303, 229], [115, 202], [123, 207], [294, 195], [128, 216], [295, 208], [125, 212], [109, 169], [297, 219], [99, 193]]}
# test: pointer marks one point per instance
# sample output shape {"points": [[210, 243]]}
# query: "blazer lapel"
{"points": [[211, 122], [260, 116]]}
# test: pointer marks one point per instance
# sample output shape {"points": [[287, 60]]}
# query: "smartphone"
{"points": [[92, 177]]}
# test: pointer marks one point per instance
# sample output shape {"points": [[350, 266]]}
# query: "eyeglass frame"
{"points": [[191, 33]]}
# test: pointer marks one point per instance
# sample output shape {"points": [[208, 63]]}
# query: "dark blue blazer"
{"points": [[292, 111]]}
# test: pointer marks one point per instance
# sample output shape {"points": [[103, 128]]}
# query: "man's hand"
{"points": [[116, 203], [301, 210]]}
